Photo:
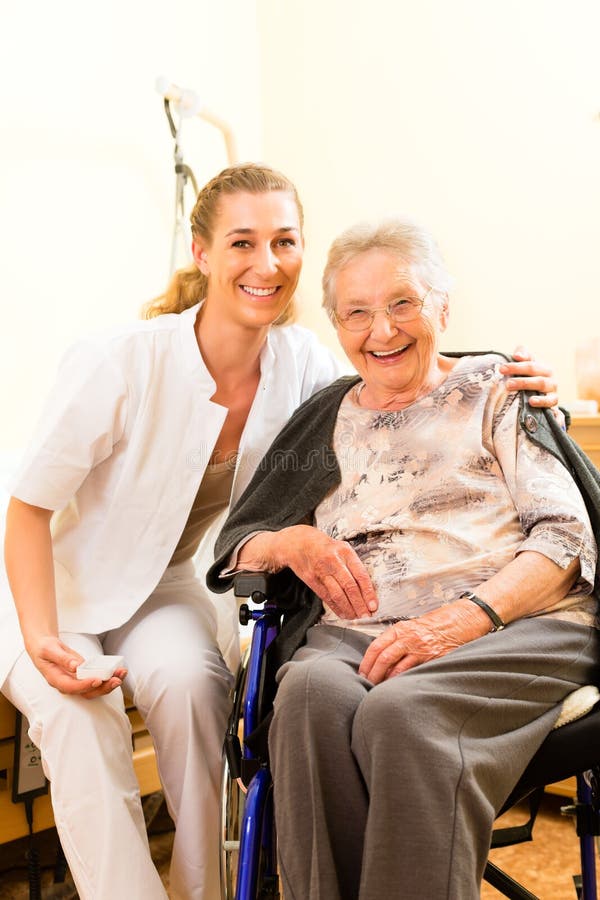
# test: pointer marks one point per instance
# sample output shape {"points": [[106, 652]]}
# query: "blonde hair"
{"points": [[188, 286], [409, 241]]}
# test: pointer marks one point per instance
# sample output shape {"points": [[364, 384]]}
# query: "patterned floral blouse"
{"points": [[437, 497]]}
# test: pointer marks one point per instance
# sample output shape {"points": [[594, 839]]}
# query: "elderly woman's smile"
{"points": [[388, 323], [389, 355], [449, 603]]}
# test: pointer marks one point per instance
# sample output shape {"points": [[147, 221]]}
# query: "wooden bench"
{"points": [[13, 823]]}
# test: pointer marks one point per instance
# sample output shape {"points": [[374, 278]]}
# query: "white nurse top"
{"points": [[120, 451]]}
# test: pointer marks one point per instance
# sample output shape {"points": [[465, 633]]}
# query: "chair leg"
{"points": [[507, 886], [587, 812]]}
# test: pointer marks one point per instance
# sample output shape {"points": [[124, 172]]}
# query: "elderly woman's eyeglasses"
{"points": [[399, 311]]}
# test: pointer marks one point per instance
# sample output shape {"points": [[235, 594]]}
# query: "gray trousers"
{"points": [[391, 791]]}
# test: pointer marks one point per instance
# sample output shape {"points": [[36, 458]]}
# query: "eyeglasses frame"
{"points": [[386, 309]]}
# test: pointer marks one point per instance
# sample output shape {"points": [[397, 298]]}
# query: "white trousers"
{"points": [[180, 684]]}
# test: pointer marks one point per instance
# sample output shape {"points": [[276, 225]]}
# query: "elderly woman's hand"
{"points": [[409, 643], [330, 568]]}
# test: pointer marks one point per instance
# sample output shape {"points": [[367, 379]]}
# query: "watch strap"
{"points": [[497, 623]]}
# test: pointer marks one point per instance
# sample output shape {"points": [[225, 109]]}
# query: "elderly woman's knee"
{"points": [[320, 689], [399, 709]]}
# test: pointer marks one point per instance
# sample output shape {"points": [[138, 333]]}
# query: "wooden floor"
{"points": [[545, 866]]}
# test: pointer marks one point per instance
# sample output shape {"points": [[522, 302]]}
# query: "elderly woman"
{"points": [[455, 562]]}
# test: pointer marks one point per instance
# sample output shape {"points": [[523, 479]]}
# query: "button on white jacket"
{"points": [[120, 452]]}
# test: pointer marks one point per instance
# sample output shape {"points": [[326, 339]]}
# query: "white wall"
{"points": [[476, 117], [86, 170]]}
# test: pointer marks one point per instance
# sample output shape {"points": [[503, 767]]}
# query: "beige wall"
{"points": [[476, 117], [86, 168]]}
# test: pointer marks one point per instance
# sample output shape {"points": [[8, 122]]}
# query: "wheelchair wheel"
{"points": [[232, 810], [248, 857], [233, 799]]}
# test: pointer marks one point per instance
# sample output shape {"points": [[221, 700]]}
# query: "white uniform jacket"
{"points": [[120, 452]]}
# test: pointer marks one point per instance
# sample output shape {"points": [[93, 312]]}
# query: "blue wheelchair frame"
{"points": [[569, 751], [257, 858]]}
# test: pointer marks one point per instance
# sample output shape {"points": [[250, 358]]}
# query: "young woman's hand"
{"points": [[527, 374], [58, 664]]}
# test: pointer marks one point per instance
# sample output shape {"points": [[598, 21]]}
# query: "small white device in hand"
{"points": [[100, 666]]}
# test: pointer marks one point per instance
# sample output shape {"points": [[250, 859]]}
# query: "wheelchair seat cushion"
{"points": [[577, 704]]}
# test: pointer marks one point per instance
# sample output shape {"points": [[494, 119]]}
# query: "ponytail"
{"points": [[187, 287]]}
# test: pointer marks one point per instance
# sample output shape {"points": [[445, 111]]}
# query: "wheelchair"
{"points": [[248, 836]]}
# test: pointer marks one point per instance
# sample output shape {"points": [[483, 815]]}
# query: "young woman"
{"points": [[149, 432]]}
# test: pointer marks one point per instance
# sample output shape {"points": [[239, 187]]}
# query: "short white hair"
{"points": [[412, 243]]}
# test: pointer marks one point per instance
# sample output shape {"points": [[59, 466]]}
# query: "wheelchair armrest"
{"points": [[277, 587], [252, 584]]}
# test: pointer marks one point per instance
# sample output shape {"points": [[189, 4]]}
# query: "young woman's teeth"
{"points": [[259, 292], [388, 352]]}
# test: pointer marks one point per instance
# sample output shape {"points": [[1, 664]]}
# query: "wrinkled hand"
{"points": [[330, 568], [407, 644], [58, 663], [530, 375]]}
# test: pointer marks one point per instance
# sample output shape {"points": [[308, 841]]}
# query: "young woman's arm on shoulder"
{"points": [[527, 374]]}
